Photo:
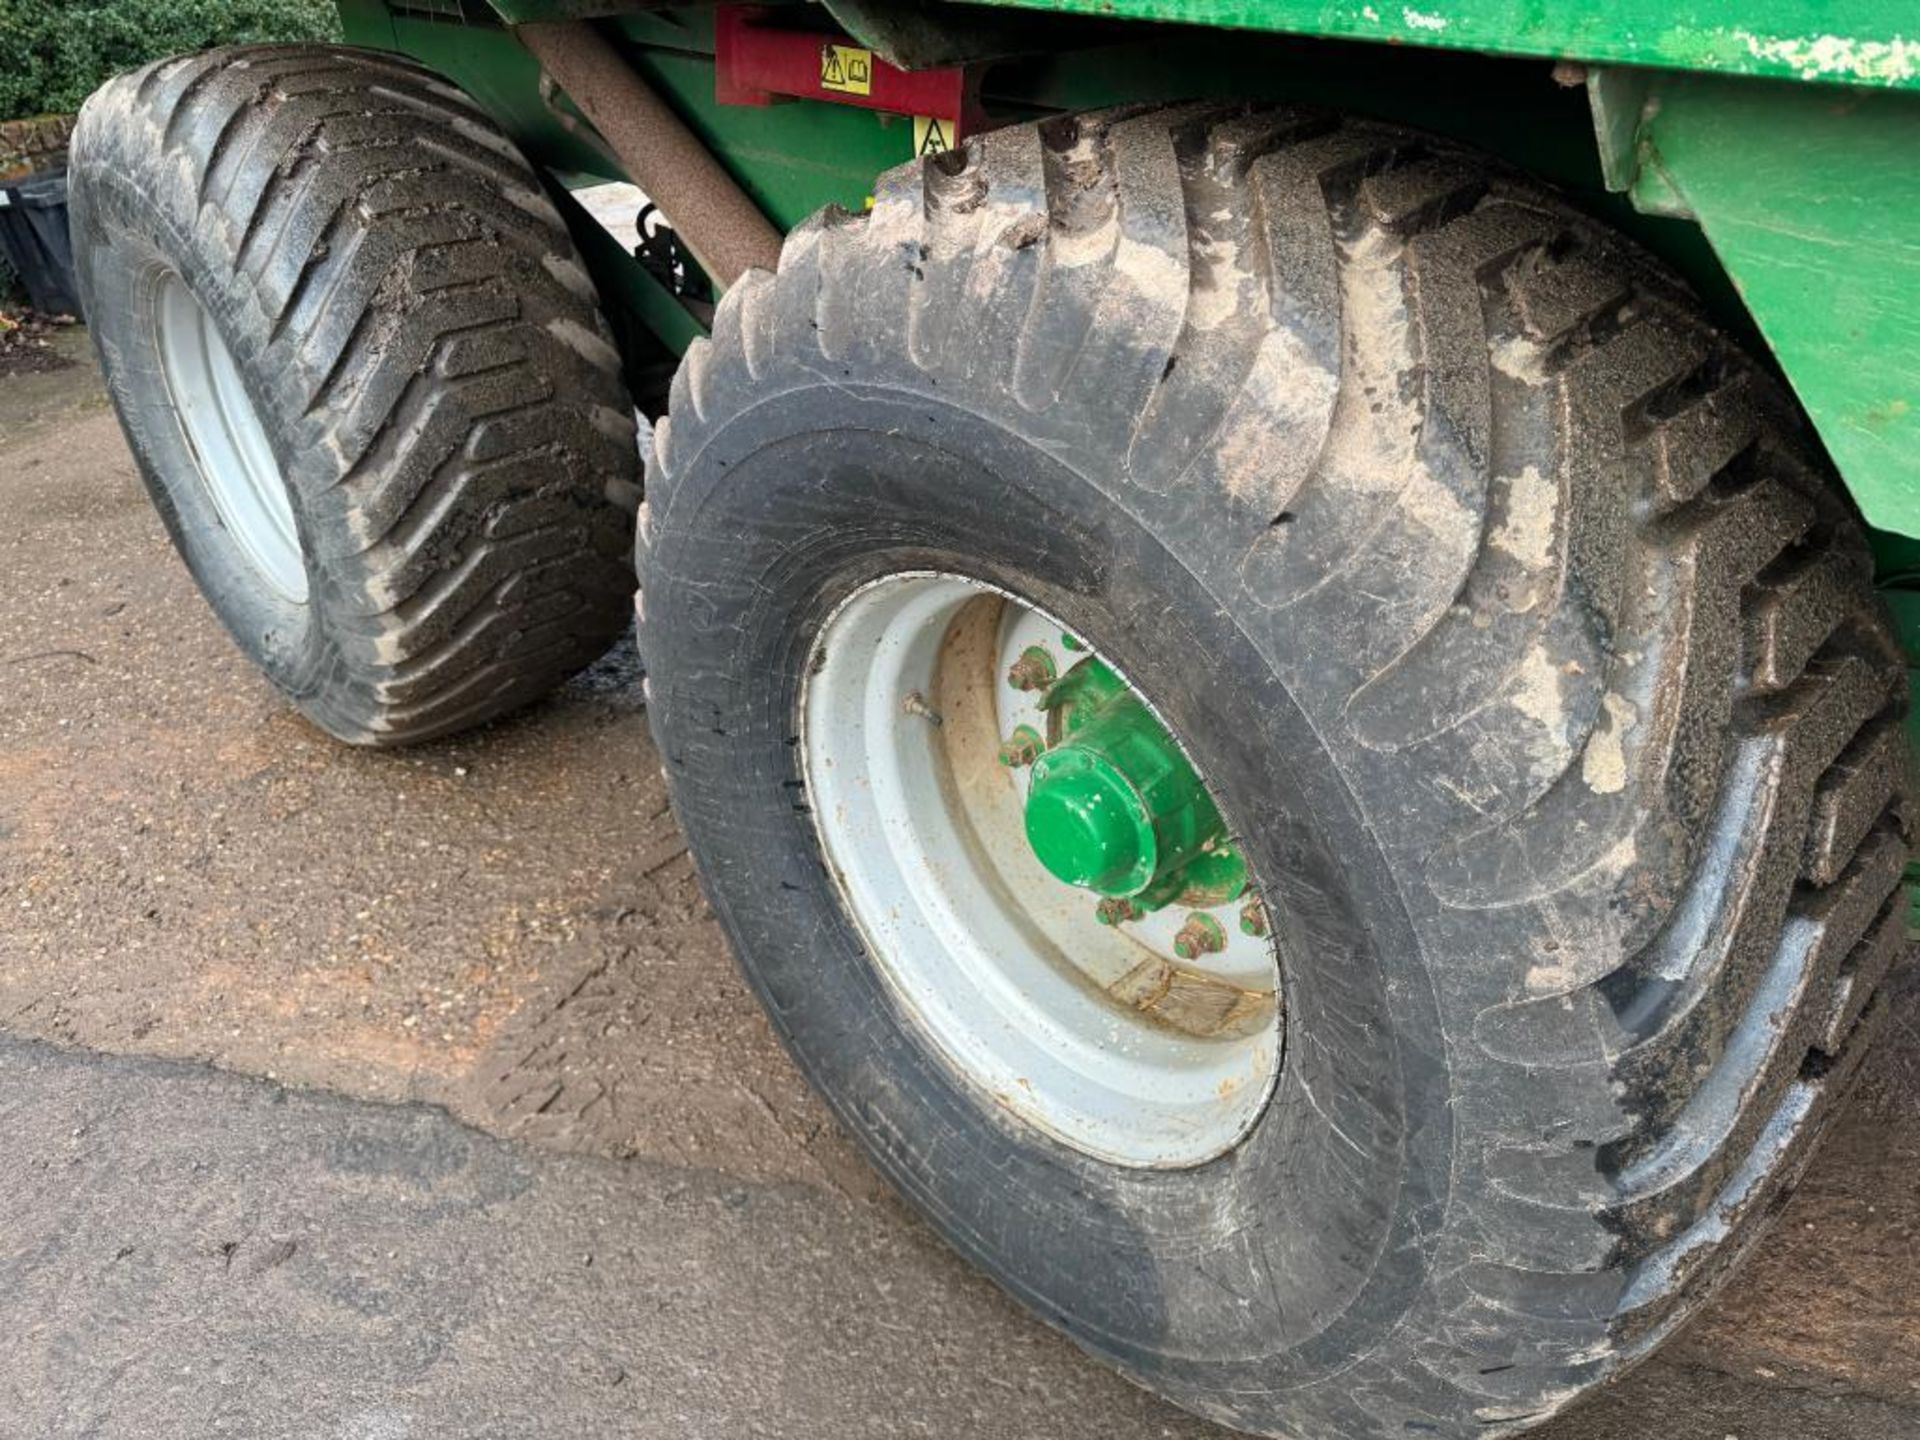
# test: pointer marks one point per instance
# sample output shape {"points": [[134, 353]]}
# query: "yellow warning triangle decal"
{"points": [[932, 134]]}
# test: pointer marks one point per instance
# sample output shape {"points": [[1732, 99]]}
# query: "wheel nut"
{"points": [[1022, 747], [1115, 910], [1034, 670], [1201, 935], [1253, 920]]}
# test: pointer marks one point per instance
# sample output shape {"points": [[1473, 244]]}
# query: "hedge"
{"points": [[54, 52]]}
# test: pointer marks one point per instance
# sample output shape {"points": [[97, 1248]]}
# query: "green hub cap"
{"points": [[1088, 824], [1115, 807]]}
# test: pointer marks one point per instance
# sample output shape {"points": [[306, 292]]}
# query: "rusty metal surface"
{"points": [[723, 228]]}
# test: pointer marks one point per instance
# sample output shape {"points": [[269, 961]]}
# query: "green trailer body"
{"points": [[1764, 150]]}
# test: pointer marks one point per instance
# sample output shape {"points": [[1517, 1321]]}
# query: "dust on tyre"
{"points": [[1512, 616], [365, 378]]}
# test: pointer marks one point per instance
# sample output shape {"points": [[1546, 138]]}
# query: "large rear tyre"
{"points": [[365, 378], [1508, 617]]}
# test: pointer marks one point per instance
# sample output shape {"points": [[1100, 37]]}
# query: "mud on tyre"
{"points": [[1514, 615]]}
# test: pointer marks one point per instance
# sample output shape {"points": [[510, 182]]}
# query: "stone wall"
{"points": [[39, 143]]}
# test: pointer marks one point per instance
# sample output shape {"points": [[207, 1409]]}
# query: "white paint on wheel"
{"points": [[1003, 967], [231, 451]]}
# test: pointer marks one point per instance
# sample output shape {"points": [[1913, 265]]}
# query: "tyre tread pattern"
{"points": [[1596, 634], [461, 421]]}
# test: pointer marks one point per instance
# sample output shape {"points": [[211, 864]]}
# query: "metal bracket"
{"points": [[1618, 98], [757, 60], [1625, 102]]}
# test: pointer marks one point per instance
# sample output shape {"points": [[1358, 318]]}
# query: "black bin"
{"points": [[35, 243]]}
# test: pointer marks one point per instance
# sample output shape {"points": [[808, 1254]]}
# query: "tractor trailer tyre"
{"points": [[365, 378], [1303, 752]]}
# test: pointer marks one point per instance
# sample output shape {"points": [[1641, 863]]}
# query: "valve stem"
{"points": [[914, 703]]}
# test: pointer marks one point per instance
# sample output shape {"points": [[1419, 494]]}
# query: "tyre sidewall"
{"points": [[1275, 1264]]}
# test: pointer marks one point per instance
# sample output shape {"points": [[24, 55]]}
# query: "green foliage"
{"points": [[53, 53]]}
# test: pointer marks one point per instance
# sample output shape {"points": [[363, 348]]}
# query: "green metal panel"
{"points": [[1851, 42], [1847, 42], [1811, 199]]}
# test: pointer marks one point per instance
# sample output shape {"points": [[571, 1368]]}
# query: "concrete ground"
{"points": [[228, 947]]}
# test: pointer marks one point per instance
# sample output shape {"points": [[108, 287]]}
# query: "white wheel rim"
{"points": [[230, 446], [1002, 966]]}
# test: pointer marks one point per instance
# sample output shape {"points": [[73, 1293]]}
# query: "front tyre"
{"points": [[1525, 657], [365, 378]]}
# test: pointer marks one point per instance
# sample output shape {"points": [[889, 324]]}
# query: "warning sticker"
{"points": [[846, 69], [931, 134]]}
